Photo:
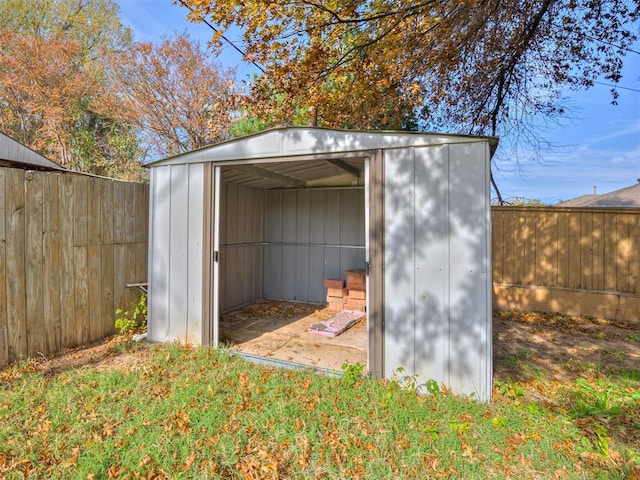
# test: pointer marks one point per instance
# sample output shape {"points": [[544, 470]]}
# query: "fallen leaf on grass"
{"points": [[303, 457], [189, 461], [72, 461]]}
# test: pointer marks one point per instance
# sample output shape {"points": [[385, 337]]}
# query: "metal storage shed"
{"points": [[271, 215]]}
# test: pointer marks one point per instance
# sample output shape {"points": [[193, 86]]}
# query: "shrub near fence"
{"points": [[69, 244], [571, 260]]}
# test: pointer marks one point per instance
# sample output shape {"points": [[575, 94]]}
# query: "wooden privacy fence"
{"points": [[69, 244], [570, 260]]}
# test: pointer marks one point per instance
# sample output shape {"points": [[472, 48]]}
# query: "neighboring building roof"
{"points": [[628, 197], [14, 152]]}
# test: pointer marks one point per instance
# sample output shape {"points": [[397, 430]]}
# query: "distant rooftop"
{"points": [[13, 152], [628, 197]]}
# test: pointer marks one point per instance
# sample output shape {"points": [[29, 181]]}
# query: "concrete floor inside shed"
{"points": [[280, 330]]}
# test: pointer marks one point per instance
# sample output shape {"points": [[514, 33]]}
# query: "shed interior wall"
{"points": [[311, 235], [241, 245], [281, 244]]}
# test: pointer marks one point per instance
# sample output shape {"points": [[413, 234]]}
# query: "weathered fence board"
{"points": [[610, 263], [573, 246], [67, 278], [34, 260], [4, 345], [94, 211], [508, 250], [108, 306], [80, 220], [118, 213], [586, 252], [15, 264], [69, 244], [597, 245], [581, 260], [129, 206], [51, 272], [94, 269], [622, 254], [120, 278], [106, 225], [81, 294], [529, 249], [562, 250]]}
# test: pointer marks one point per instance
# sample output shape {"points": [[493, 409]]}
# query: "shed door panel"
{"points": [[399, 241], [470, 318], [416, 197], [431, 288], [195, 254], [176, 273], [437, 321], [185, 253]]}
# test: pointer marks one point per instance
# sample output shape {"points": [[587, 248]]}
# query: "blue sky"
{"points": [[599, 147]]}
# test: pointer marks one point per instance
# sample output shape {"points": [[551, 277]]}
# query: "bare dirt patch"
{"points": [[559, 347], [116, 352]]}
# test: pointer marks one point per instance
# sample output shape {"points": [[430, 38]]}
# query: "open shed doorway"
{"points": [[280, 229]]}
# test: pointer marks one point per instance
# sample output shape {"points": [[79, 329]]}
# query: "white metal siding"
{"points": [[470, 353], [159, 245], [437, 284], [431, 289], [399, 243], [178, 246], [175, 244], [195, 235]]}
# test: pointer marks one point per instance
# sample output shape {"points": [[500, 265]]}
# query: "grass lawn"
{"points": [[178, 412]]}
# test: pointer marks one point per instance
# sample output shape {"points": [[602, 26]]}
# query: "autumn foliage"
{"points": [[465, 66], [175, 95], [75, 88], [53, 57], [42, 87]]}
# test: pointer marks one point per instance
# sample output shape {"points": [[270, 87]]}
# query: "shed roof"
{"points": [[297, 141], [628, 197], [14, 152], [325, 157]]}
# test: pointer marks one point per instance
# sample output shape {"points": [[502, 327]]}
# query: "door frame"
{"points": [[374, 257]]}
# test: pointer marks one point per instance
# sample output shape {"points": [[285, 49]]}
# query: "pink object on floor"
{"points": [[337, 324]]}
